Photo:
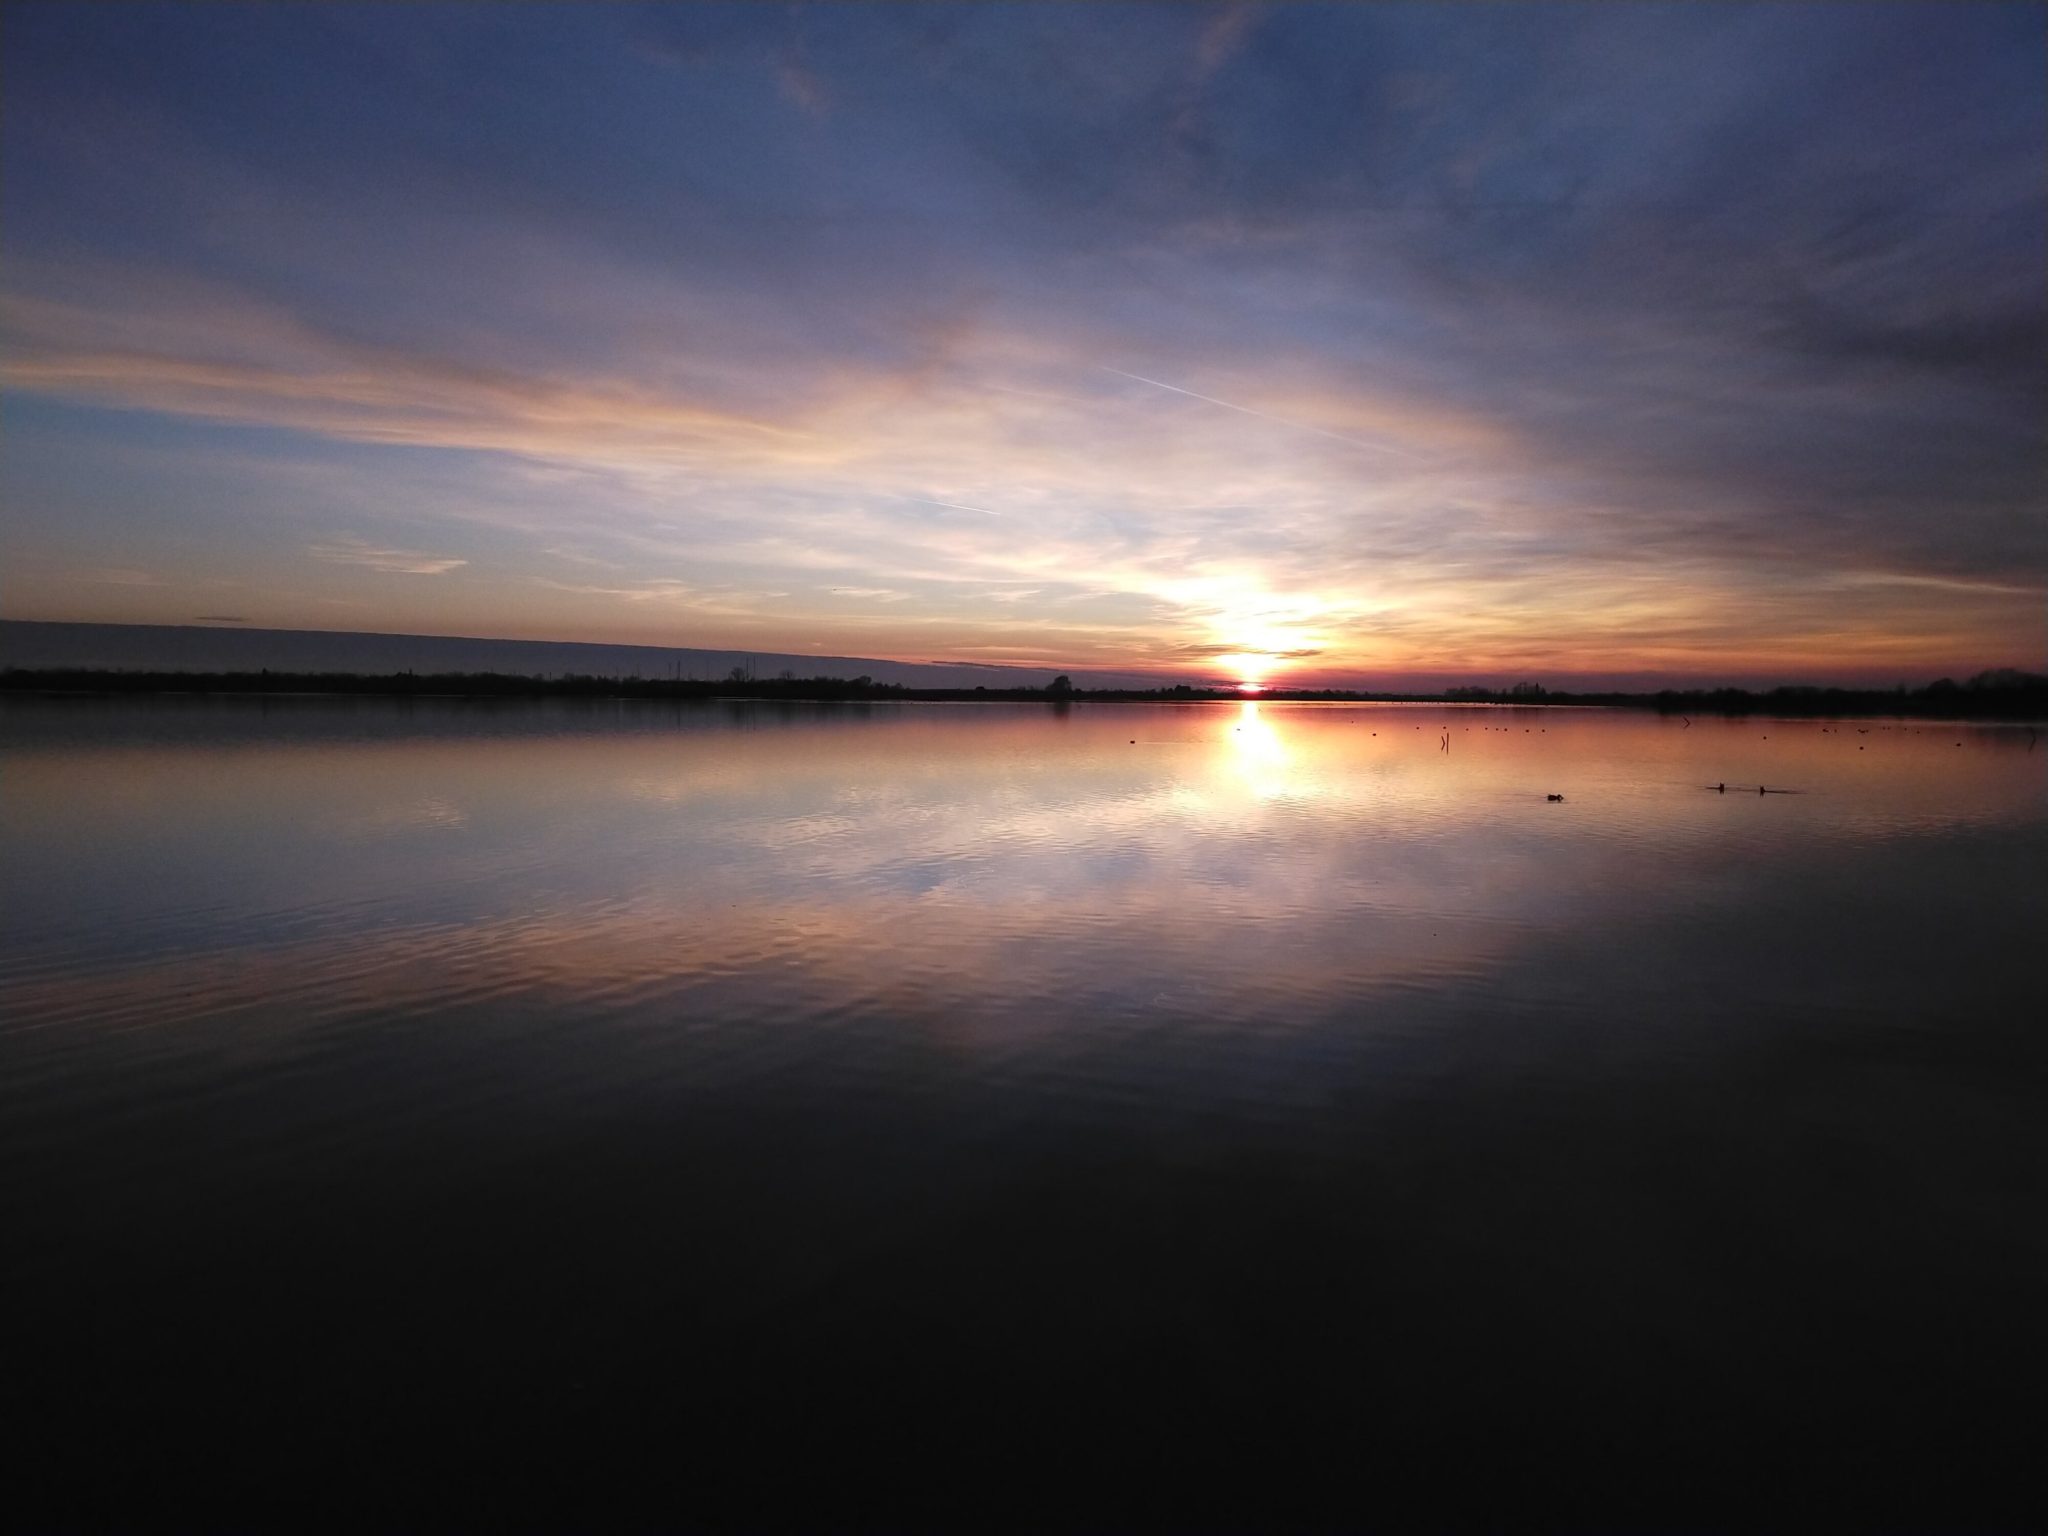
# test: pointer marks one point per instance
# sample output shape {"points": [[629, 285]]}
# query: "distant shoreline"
{"points": [[1994, 696]]}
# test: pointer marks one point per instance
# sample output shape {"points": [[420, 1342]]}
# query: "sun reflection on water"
{"points": [[1261, 756]]}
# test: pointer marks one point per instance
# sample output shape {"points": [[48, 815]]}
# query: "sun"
{"points": [[1259, 634], [1250, 668]]}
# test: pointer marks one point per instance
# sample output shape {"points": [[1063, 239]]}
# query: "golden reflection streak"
{"points": [[1260, 755]]}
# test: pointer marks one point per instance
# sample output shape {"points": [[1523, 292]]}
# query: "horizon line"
{"points": [[1352, 679]]}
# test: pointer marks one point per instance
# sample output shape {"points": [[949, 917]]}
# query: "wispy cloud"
{"points": [[802, 87], [1962, 584], [658, 590], [955, 505], [871, 594], [1245, 410], [400, 562]]}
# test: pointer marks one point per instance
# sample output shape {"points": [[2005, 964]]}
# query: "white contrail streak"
{"points": [[957, 506], [1245, 410]]}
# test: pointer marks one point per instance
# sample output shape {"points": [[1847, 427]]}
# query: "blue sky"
{"points": [[1370, 342]]}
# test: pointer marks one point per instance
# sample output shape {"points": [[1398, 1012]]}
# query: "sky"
{"points": [[1385, 345]]}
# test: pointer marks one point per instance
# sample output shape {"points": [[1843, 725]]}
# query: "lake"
{"points": [[1212, 1116]]}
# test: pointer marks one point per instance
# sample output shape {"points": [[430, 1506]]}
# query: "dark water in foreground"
{"points": [[483, 1115]]}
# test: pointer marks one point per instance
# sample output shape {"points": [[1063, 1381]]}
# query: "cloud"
{"points": [[802, 87], [1223, 34], [219, 618], [660, 589], [1246, 410], [1472, 332], [1999, 347], [403, 562], [1297, 653], [235, 361], [953, 505]]}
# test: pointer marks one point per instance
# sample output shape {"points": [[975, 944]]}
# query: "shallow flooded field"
{"points": [[1214, 1115]]}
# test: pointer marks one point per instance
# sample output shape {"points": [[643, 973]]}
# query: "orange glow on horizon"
{"points": [[936, 529]]}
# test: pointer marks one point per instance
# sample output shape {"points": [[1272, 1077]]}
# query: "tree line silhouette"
{"points": [[2003, 693]]}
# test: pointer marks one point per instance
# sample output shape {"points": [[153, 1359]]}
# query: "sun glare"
{"points": [[1259, 755], [1248, 667]]}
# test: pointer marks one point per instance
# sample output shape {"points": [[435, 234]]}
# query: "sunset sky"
{"points": [[1378, 344]]}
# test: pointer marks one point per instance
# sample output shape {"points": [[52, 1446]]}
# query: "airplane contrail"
{"points": [[1245, 410], [957, 506]]}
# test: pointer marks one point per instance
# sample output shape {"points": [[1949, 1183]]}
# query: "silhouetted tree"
{"points": [[1061, 685]]}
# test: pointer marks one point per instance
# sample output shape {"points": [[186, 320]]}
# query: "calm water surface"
{"points": [[1197, 1116]]}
